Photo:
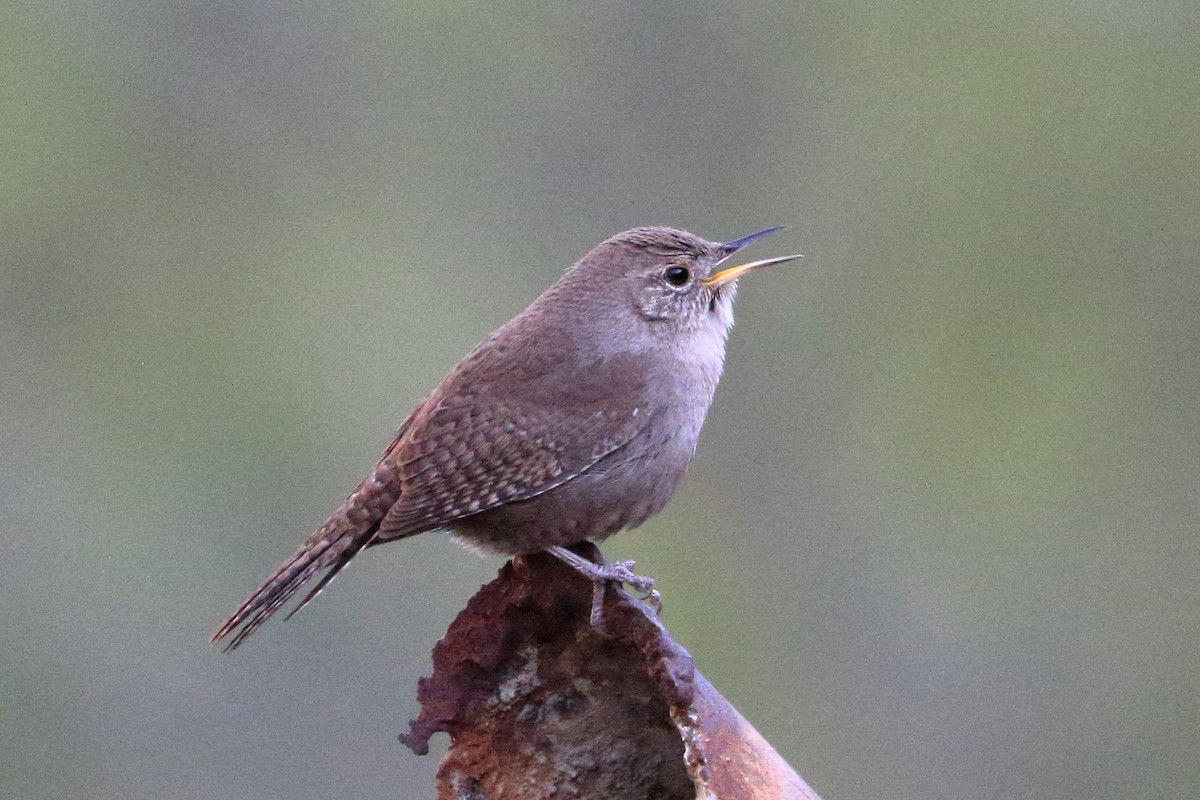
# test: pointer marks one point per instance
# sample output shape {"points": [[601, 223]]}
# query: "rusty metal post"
{"points": [[540, 704]]}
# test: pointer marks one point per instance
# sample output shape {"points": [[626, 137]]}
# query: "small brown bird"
{"points": [[575, 420]]}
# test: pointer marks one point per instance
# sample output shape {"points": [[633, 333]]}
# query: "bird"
{"points": [[573, 421]]}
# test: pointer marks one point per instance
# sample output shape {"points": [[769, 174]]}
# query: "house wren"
{"points": [[575, 420]]}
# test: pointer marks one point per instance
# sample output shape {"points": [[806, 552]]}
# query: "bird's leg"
{"points": [[602, 574]]}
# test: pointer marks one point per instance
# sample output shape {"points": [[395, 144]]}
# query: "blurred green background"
{"points": [[941, 536]]}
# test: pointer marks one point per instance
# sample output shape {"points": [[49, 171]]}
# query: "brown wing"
{"points": [[492, 435]]}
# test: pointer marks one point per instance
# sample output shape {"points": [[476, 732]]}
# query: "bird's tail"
{"points": [[331, 547]]}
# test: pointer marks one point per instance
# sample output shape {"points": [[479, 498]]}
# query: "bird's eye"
{"points": [[677, 276]]}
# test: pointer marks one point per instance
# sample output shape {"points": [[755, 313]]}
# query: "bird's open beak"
{"points": [[733, 273]]}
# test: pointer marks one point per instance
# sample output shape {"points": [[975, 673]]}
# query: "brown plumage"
{"points": [[573, 421]]}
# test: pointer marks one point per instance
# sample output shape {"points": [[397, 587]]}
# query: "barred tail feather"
{"points": [[328, 548]]}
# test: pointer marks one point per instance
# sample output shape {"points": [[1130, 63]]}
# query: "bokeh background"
{"points": [[940, 540]]}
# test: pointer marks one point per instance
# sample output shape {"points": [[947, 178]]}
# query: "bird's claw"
{"points": [[621, 572], [601, 575]]}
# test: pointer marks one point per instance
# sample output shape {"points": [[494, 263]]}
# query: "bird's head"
{"points": [[673, 277]]}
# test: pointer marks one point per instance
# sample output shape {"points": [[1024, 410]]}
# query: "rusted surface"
{"points": [[739, 762], [540, 704]]}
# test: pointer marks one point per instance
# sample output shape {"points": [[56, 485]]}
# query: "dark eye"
{"points": [[677, 276]]}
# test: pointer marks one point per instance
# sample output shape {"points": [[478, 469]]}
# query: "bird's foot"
{"points": [[622, 572], [619, 572]]}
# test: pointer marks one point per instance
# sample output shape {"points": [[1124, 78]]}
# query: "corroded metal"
{"points": [[540, 703]]}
